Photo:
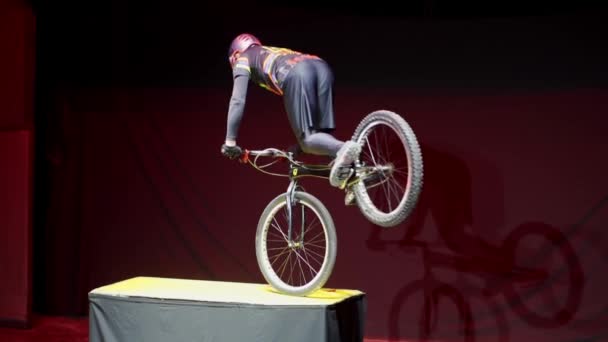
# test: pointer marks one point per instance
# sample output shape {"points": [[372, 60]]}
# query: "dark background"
{"points": [[508, 99], [439, 43]]}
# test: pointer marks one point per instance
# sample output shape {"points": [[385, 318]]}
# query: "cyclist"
{"points": [[305, 82]]}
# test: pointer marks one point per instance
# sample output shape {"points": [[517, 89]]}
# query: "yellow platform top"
{"points": [[217, 291]]}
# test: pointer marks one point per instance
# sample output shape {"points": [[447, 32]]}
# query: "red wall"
{"points": [[154, 197], [15, 220], [16, 64], [16, 157]]}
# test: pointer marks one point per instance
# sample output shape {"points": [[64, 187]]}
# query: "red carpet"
{"points": [[50, 329]]}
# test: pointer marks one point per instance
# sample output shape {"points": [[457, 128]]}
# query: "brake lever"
{"points": [[244, 158]]}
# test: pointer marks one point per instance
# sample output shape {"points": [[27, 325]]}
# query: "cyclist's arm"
{"points": [[237, 104]]}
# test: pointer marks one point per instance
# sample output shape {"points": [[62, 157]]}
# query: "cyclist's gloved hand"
{"points": [[231, 152]]}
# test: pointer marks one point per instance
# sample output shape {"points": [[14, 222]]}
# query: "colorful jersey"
{"points": [[268, 66]]}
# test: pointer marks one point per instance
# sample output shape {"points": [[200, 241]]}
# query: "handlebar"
{"points": [[251, 157], [269, 152]]}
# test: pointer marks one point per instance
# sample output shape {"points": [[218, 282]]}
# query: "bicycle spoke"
{"points": [[395, 190], [300, 267], [399, 171], [279, 229], [313, 243], [306, 254], [371, 153], [276, 248], [376, 140], [276, 240], [312, 270], [386, 193], [291, 262], [275, 258], [310, 226], [316, 254], [316, 236], [281, 269], [301, 258]]}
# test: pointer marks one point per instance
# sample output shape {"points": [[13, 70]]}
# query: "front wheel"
{"points": [[391, 168], [301, 264]]}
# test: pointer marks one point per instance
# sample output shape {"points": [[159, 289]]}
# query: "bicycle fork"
{"points": [[291, 202]]}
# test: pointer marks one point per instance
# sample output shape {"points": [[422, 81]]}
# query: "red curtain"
{"points": [[16, 157]]}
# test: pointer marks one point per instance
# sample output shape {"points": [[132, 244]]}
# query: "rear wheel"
{"points": [[392, 163]]}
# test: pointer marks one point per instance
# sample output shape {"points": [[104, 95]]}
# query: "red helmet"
{"points": [[240, 44]]}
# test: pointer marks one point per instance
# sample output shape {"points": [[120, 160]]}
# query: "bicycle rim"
{"points": [[304, 265], [391, 148]]}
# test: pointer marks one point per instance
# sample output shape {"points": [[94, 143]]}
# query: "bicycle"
{"points": [[384, 191]]}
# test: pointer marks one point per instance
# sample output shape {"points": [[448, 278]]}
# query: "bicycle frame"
{"points": [[299, 170], [295, 173]]}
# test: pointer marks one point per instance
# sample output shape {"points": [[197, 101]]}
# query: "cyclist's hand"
{"points": [[231, 152]]}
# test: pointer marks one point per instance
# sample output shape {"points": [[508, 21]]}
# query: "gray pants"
{"points": [[308, 99]]}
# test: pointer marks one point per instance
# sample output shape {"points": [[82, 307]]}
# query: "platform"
{"points": [[164, 309]]}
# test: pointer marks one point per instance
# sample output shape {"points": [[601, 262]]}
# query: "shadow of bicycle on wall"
{"points": [[533, 271]]}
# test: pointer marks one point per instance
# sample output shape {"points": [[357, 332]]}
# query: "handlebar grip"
{"points": [[269, 152], [244, 158]]}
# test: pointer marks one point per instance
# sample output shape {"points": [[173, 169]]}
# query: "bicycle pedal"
{"points": [[345, 174]]}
